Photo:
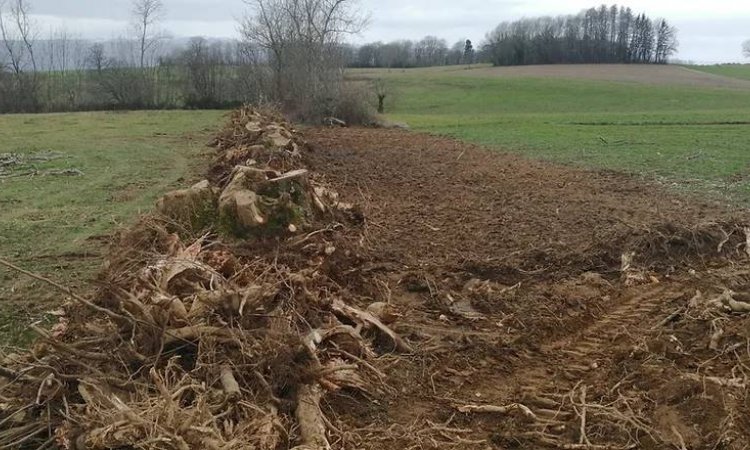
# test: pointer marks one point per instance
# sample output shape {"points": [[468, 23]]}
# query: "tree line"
{"points": [[429, 51], [598, 35], [291, 52], [143, 69]]}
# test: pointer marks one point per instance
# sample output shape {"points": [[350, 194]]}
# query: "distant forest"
{"points": [[430, 51], [598, 35], [607, 34]]}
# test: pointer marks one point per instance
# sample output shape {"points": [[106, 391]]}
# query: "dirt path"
{"points": [[507, 274]]}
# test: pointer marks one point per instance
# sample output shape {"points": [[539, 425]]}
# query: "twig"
{"points": [[327, 229], [676, 432], [107, 312], [65, 290], [13, 375], [739, 383], [669, 318], [583, 439], [499, 409], [68, 349]]}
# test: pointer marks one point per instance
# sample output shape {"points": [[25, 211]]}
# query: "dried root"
{"points": [[203, 345]]}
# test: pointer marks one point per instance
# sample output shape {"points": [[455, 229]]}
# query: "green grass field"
{"points": [[57, 225], [696, 138], [740, 71]]}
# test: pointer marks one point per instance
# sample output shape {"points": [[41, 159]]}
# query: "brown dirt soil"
{"points": [[507, 275], [629, 73], [625, 73]]}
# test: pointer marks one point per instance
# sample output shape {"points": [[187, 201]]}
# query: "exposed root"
{"points": [[312, 425], [507, 409], [203, 341]]}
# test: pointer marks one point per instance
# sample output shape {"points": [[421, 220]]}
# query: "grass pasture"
{"points": [[738, 71], [58, 225], [691, 133]]}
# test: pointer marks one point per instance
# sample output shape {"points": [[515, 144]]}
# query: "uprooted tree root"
{"points": [[671, 244], [194, 346]]}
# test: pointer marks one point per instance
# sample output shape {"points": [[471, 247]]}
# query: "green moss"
{"points": [[192, 211], [204, 217], [293, 187], [279, 219], [227, 225], [278, 212]]}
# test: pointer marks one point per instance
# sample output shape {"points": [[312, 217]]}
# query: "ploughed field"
{"points": [[585, 304], [378, 289], [732, 76], [679, 126]]}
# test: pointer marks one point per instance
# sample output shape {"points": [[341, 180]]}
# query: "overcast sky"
{"points": [[709, 31]]}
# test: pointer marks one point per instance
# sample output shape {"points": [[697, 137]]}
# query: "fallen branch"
{"points": [[229, 383], [680, 439], [739, 383], [583, 439], [342, 308], [547, 441], [668, 319], [12, 375], [108, 312], [727, 302], [67, 348], [193, 333], [492, 409], [312, 426]]}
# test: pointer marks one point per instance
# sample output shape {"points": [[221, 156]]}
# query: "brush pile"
{"points": [[217, 326]]}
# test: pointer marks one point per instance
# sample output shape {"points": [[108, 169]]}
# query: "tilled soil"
{"points": [[625, 73], [508, 275], [435, 201]]}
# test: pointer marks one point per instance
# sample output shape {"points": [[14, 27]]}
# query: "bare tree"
{"points": [[431, 51], [666, 41], [746, 48], [203, 63], [254, 81], [381, 91], [96, 58], [303, 40], [18, 33], [146, 16], [20, 11], [456, 53]]}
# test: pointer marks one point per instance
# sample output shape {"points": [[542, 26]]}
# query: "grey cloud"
{"points": [[203, 10], [83, 9]]}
